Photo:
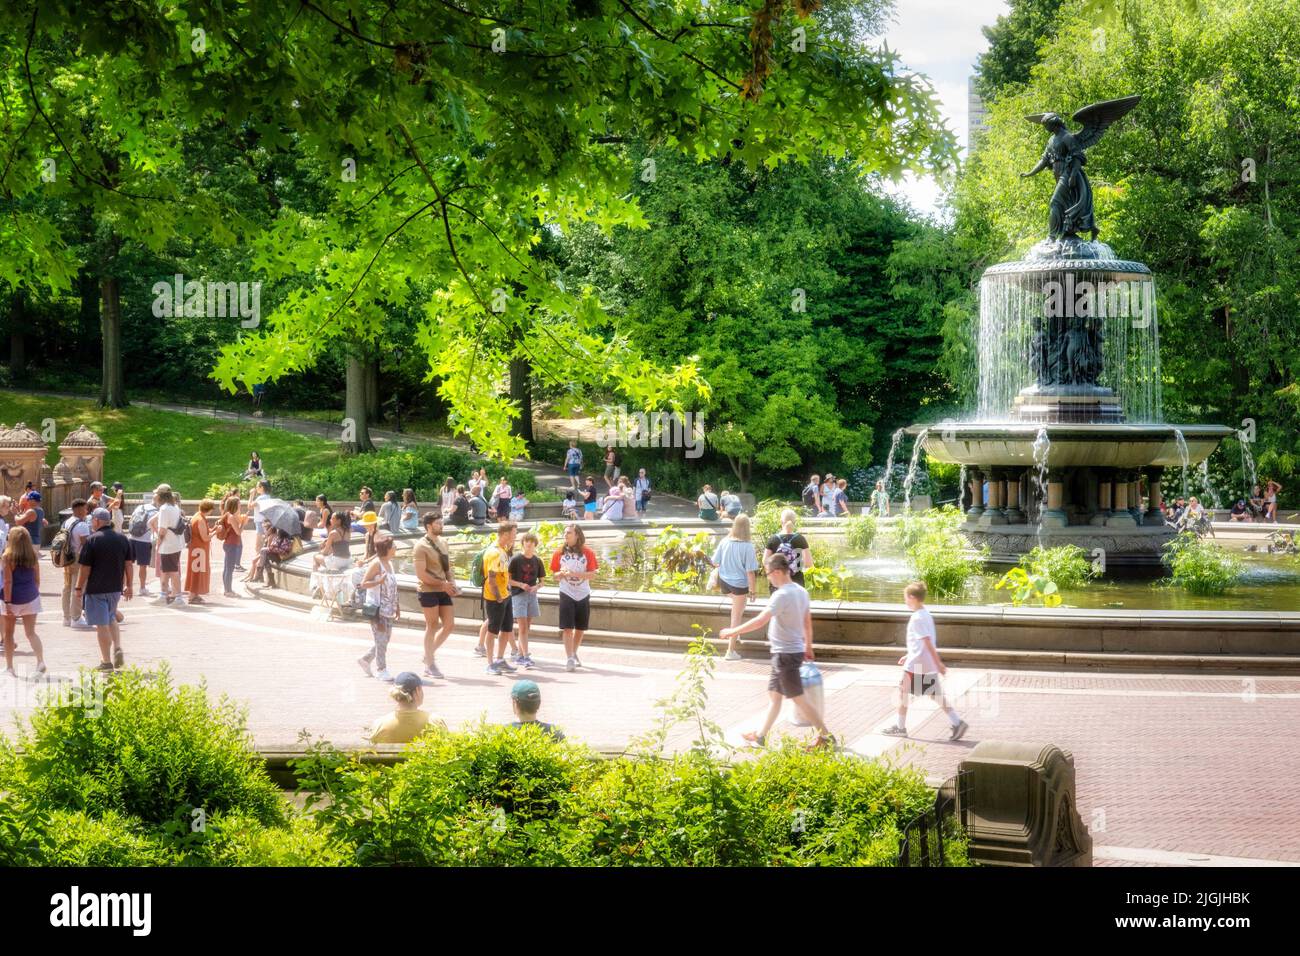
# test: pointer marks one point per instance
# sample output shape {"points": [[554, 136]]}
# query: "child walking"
{"points": [[922, 666]]}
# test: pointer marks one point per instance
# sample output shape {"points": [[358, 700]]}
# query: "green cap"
{"points": [[526, 692]]}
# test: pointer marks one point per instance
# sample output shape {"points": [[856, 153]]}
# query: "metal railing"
{"points": [[922, 841]]}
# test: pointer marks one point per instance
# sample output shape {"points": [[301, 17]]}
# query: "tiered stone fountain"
{"points": [[1069, 429]]}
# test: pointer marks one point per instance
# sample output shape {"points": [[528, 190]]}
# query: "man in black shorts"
{"points": [[788, 617], [435, 588]]}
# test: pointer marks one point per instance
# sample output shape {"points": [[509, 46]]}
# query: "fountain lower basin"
{"points": [[996, 444]]}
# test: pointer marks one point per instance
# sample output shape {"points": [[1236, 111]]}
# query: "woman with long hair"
{"points": [[737, 564], [198, 558], [380, 584], [410, 511], [574, 565], [447, 497], [230, 532], [22, 595]]}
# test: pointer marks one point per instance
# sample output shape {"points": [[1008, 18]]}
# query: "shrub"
{"points": [[1201, 567], [235, 839], [486, 798], [1068, 566], [767, 517], [423, 468], [825, 809], [860, 532], [937, 551], [683, 560], [1028, 586], [150, 751], [75, 838]]}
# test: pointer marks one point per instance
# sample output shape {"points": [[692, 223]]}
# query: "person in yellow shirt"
{"points": [[408, 721], [496, 597]]}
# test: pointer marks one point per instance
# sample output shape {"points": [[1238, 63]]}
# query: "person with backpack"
{"points": [[64, 550], [381, 607], [21, 566], [495, 564], [792, 546], [737, 564], [169, 526], [230, 532], [641, 492], [198, 560], [708, 503], [573, 464], [811, 495], [141, 536]]}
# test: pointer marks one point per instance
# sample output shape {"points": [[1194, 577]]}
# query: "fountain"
{"points": [[1069, 423]]}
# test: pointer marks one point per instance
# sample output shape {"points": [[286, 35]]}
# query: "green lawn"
{"points": [[147, 447]]}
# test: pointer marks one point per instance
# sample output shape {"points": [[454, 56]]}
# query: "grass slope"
{"points": [[146, 447]]}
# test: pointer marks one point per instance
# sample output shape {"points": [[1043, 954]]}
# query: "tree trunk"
{"points": [[521, 392], [374, 411], [112, 391], [355, 411], [87, 316]]}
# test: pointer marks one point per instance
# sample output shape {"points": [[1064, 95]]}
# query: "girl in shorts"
{"points": [[736, 563], [574, 565], [22, 596]]}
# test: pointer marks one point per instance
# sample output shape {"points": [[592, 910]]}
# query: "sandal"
{"points": [[754, 739]]}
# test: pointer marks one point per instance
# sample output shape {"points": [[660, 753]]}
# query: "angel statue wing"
{"points": [[1098, 117]]}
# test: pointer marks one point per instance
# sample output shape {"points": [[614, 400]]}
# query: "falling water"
{"points": [[1248, 467], [1013, 300], [889, 462], [1182, 456], [961, 489], [1042, 446], [1208, 486], [911, 469]]}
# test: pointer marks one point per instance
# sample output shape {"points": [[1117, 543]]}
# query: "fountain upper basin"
{"points": [[985, 444]]}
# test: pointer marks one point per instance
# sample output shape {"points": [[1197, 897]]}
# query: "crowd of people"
{"points": [[105, 555]]}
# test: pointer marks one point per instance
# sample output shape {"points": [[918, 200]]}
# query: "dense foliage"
{"points": [[1199, 566]]}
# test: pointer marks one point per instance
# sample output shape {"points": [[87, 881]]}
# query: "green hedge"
{"points": [[424, 469], [156, 775]]}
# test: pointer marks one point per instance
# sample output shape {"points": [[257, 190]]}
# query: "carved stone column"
{"points": [[1104, 484], [976, 481], [993, 515], [1012, 492], [1122, 516], [1155, 514]]}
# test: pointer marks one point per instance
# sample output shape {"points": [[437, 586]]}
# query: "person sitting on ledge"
{"points": [[1239, 512], [407, 721]]}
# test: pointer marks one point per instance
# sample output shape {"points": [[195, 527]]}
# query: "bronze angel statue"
{"points": [[1066, 154]]}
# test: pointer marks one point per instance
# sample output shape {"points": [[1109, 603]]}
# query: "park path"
{"points": [[1179, 769], [548, 475]]}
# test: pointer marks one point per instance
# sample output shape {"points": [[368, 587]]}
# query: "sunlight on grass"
{"points": [[146, 447]]}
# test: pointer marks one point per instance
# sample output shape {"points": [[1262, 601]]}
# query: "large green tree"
{"points": [[451, 135]]}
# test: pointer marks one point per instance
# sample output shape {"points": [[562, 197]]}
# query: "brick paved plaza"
{"points": [[1171, 769]]}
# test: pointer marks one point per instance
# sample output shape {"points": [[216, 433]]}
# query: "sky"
{"points": [[941, 39]]}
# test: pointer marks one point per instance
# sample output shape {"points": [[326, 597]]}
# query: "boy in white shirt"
{"points": [[921, 665]]}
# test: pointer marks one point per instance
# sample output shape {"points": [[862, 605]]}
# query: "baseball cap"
{"points": [[97, 484], [33, 496], [117, 486], [408, 681], [526, 692], [101, 514]]}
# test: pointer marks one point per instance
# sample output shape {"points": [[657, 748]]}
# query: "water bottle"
{"points": [[813, 690]]}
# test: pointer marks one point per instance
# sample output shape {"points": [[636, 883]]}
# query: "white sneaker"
{"points": [[180, 599], [385, 676], [144, 591], [732, 656], [571, 664], [80, 625]]}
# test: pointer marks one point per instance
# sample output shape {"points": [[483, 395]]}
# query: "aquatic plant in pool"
{"points": [[1201, 567], [1067, 566]]}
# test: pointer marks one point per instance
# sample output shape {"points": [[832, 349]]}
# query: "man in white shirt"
{"points": [[140, 531], [788, 617], [78, 528], [171, 543], [922, 666]]}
